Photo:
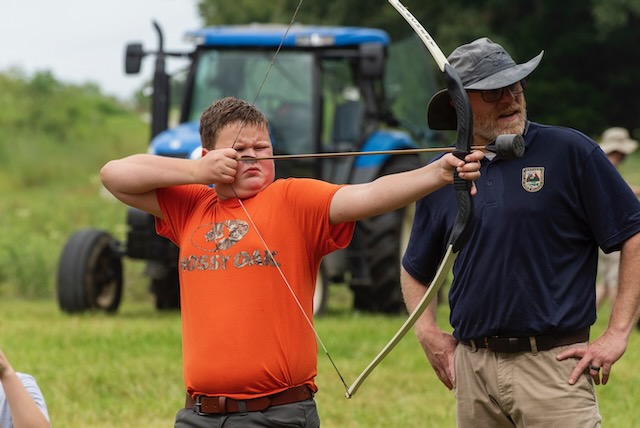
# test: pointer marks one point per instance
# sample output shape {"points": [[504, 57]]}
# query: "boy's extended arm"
{"points": [[394, 191], [134, 179]]}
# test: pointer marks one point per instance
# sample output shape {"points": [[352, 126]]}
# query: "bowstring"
{"points": [[295, 297], [266, 75], [264, 243]]}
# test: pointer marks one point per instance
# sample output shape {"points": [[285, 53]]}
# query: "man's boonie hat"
{"points": [[617, 139], [481, 65]]}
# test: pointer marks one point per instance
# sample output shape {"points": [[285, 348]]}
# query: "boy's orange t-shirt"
{"points": [[243, 334]]}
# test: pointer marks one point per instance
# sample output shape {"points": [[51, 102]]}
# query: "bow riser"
{"points": [[464, 115]]}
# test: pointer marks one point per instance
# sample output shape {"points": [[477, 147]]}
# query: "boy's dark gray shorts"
{"points": [[300, 414]]}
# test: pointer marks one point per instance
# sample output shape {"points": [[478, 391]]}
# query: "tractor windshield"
{"points": [[411, 79], [285, 97]]}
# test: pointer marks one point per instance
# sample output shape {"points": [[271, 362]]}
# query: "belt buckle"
{"points": [[198, 404], [221, 406]]}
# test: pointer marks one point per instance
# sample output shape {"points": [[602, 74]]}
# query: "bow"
{"points": [[461, 228]]}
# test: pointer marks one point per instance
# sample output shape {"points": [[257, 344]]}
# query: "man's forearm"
{"points": [[626, 308], [412, 292]]}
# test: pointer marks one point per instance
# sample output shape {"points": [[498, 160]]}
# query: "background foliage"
{"points": [[588, 72], [54, 138]]}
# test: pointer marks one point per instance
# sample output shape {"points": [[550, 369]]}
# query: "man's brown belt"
{"points": [[527, 343], [204, 404]]}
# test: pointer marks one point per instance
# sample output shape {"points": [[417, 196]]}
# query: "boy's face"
{"points": [[251, 176]]}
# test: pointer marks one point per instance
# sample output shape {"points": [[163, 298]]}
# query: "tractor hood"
{"points": [[179, 142]]}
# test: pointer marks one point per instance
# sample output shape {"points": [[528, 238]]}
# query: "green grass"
{"points": [[125, 370]]}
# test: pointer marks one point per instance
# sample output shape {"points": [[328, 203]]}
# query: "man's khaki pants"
{"points": [[523, 389]]}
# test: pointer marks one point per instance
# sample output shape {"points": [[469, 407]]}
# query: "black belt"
{"points": [[205, 404], [542, 342]]}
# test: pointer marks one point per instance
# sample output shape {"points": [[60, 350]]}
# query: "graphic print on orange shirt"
{"points": [[214, 237]]}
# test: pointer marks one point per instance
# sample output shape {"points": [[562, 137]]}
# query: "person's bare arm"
{"points": [[608, 348], [390, 192], [134, 179], [437, 345], [25, 413], [626, 308]]}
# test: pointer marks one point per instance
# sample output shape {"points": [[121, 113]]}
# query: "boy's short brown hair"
{"points": [[224, 112]]}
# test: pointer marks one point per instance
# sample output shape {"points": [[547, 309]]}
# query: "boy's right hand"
{"points": [[217, 166]]}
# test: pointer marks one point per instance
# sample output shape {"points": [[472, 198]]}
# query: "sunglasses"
{"points": [[493, 95]]}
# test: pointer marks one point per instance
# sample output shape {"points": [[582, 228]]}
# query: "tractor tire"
{"points": [[384, 240], [89, 273], [166, 290]]}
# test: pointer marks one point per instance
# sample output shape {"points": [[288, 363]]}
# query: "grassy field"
{"points": [[105, 371], [124, 370]]}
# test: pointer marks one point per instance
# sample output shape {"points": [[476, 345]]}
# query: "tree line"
{"points": [[587, 77]]}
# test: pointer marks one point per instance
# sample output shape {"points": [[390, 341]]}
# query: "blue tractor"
{"points": [[326, 91]]}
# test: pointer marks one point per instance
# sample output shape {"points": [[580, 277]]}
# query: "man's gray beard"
{"points": [[494, 131]]}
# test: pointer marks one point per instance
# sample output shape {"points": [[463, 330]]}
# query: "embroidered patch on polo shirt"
{"points": [[532, 178]]}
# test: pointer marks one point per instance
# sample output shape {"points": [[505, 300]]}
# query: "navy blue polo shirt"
{"points": [[529, 266]]}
